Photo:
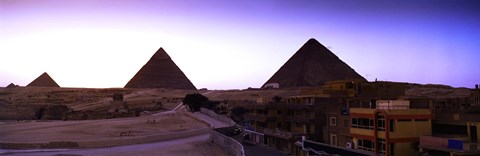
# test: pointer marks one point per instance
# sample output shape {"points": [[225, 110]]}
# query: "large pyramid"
{"points": [[160, 72], [43, 80], [312, 65]]}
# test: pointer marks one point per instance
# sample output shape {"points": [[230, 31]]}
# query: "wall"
{"points": [[404, 149], [227, 143], [411, 128]]}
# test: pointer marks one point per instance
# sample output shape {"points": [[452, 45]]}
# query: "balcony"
{"points": [[264, 106], [259, 117], [299, 119], [300, 106]]}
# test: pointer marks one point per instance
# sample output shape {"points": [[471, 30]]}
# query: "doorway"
{"points": [[473, 133]]}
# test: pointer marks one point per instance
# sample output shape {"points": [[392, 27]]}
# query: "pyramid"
{"points": [[11, 85], [160, 72], [311, 66], [43, 80]]}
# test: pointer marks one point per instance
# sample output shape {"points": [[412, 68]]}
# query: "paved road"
{"points": [[215, 123]]}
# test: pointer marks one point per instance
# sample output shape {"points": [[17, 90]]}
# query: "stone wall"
{"points": [[227, 143]]}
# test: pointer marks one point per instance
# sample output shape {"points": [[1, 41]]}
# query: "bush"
{"points": [[195, 101]]}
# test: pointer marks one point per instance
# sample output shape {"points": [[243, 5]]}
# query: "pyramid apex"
{"points": [[160, 54], [312, 41]]}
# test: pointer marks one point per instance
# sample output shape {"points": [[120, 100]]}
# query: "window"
{"points": [[421, 120], [392, 149], [261, 124], [366, 145], [333, 121], [354, 121], [333, 139], [392, 125], [363, 123], [298, 124], [290, 112], [381, 146], [380, 122]]}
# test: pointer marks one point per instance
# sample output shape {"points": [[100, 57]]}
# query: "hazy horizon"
{"points": [[235, 45]]}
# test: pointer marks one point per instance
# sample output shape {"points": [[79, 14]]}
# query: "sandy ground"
{"points": [[192, 146], [38, 132], [169, 123]]}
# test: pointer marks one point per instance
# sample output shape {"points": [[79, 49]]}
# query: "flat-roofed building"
{"points": [[389, 129]]}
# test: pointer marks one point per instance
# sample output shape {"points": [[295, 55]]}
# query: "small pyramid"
{"points": [[11, 85], [160, 72], [43, 80], [311, 66]]}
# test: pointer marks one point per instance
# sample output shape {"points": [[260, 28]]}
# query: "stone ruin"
{"points": [[118, 105]]}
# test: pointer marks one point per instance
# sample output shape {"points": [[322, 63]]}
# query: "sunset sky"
{"points": [[224, 44]]}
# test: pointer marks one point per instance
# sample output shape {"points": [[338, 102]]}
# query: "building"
{"points": [[281, 124], [392, 128], [337, 130], [452, 145]]}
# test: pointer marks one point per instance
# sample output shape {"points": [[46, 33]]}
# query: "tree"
{"points": [[237, 113], [277, 98], [194, 101]]}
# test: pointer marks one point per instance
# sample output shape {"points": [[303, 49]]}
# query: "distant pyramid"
{"points": [[43, 80], [160, 72], [11, 85], [312, 65]]}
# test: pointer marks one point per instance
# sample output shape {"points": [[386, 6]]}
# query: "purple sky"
{"points": [[226, 44]]}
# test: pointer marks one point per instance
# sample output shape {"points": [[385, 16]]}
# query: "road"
{"points": [[214, 123]]}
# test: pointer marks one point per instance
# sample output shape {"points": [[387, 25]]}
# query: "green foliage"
{"points": [[238, 111], [237, 114], [195, 101]]}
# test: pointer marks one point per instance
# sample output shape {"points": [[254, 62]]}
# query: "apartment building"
{"points": [[281, 124], [392, 128], [452, 145]]}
